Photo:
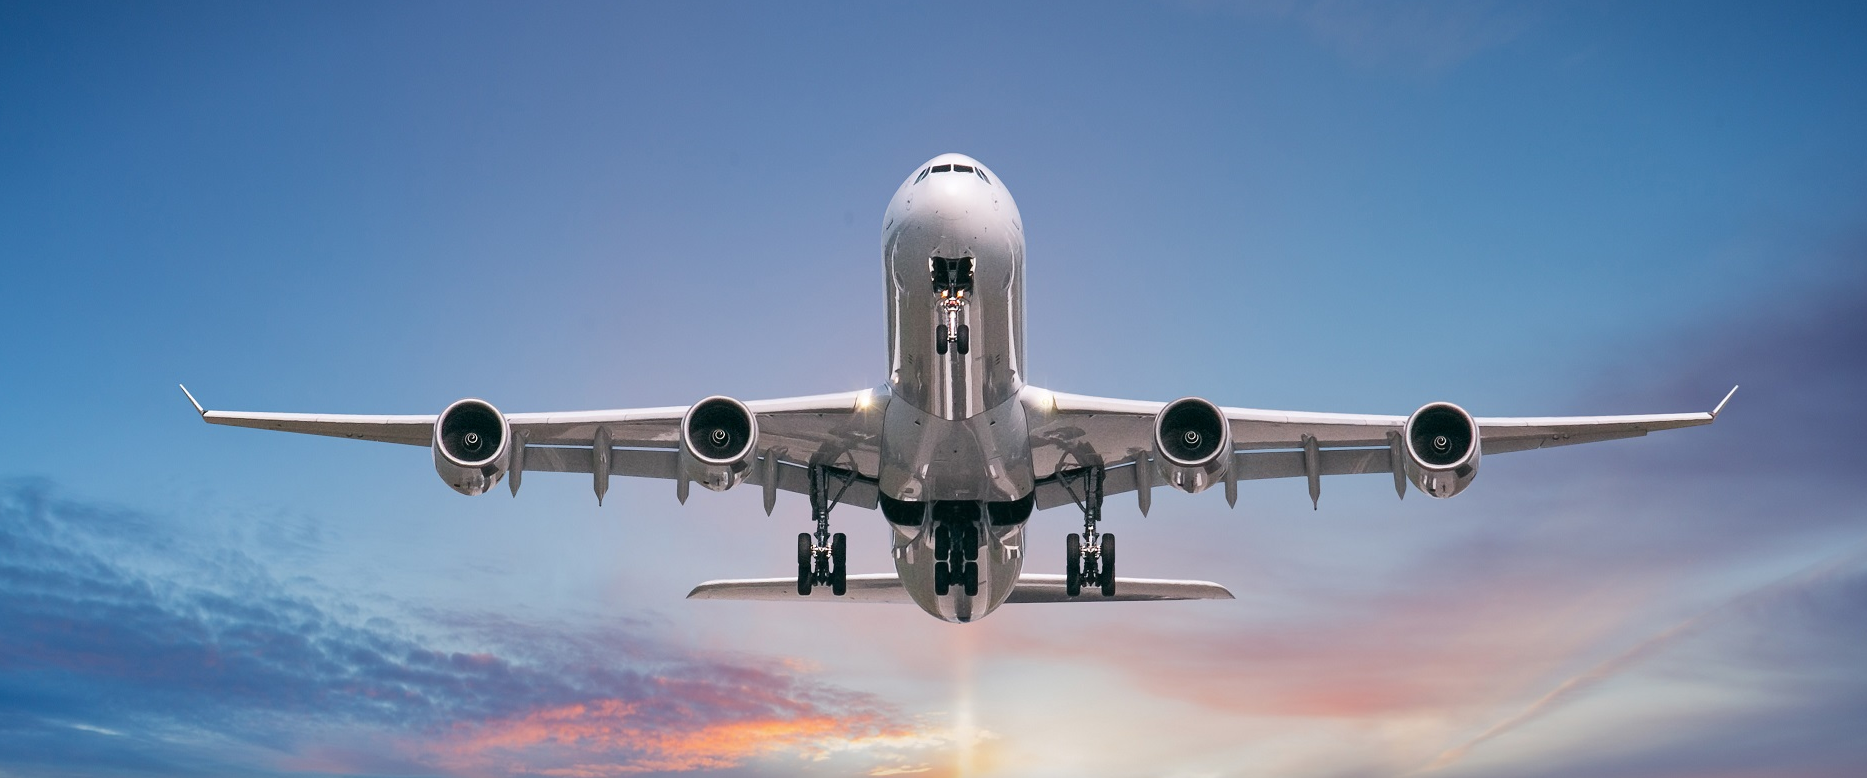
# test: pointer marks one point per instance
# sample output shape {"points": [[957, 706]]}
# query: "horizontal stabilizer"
{"points": [[1049, 588], [870, 587], [886, 587]]}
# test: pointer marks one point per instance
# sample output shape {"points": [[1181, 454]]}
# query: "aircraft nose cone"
{"points": [[952, 197]]}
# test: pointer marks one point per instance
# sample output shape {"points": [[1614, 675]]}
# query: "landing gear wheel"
{"points": [[941, 582], [971, 545], [972, 579], [839, 557], [805, 551], [1108, 565], [940, 333], [1073, 565], [964, 339], [943, 542]]}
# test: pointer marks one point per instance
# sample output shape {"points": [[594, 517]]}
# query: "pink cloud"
{"points": [[609, 737]]}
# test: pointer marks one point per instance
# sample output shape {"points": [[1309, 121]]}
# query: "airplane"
{"points": [[956, 450]]}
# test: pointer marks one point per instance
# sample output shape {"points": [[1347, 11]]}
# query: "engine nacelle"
{"points": [[472, 446], [1442, 449], [1192, 444], [718, 438]]}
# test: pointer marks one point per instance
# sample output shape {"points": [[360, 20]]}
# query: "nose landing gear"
{"points": [[950, 335], [952, 282], [822, 558], [1089, 558]]}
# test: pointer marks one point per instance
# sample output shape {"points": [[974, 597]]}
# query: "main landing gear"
{"points": [[822, 558], [956, 548], [952, 282], [1089, 558]]}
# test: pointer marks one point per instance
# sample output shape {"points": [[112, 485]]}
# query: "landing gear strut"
{"points": [[1090, 557], [822, 558]]}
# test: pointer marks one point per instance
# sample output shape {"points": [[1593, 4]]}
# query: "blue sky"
{"points": [[1524, 208]]}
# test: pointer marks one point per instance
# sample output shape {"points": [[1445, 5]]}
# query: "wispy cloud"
{"points": [[227, 669], [1579, 684], [1690, 564]]}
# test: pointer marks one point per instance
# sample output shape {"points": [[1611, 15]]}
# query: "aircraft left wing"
{"points": [[838, 431], [1074, 431]]}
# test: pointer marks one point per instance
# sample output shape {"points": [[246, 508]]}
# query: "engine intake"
{"points": [[471, 451], [718, 438], [1192, 444], [1442, 449]]}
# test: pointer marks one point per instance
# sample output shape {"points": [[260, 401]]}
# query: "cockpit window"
{"points": [[953, 168]]}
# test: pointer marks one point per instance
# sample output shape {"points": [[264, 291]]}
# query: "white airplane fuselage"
{"points": [[955, 437]]}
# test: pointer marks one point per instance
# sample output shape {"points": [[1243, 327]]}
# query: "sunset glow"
{"points": [[1524, 208]]}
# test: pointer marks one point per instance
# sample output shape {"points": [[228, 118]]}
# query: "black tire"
{"points": [[805, 550], [941, 582], [1073, 565], [964, 339], [943, 542], [1108, 565], [839, 568], [972, 579], [940, 340], [972, 542]]}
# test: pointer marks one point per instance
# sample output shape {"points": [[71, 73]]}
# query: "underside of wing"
{"points": [[838, 432], [1073, 433], [1073, 430], [828, 427], [886, 587]]}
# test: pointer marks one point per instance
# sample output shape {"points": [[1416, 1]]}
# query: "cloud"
{"points": [[1802, 583], [1713, 573], [125, 650]]}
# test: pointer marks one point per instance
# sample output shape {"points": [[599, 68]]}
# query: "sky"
{"points": [[1524, 208]]}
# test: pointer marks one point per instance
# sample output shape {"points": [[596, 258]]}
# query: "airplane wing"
{"points": [[839, 431], [842, 432], [886, 587], [1070, 431]]}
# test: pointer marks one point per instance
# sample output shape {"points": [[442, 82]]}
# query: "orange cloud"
{"points": [[609, 737]]}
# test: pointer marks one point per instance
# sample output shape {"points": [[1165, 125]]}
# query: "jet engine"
{"points": [[1442, 449], [471, 450], [1192, 443], [718, 438]]}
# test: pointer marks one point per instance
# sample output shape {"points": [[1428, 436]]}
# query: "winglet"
{"points": [[203, 411], [1727, 398]]}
